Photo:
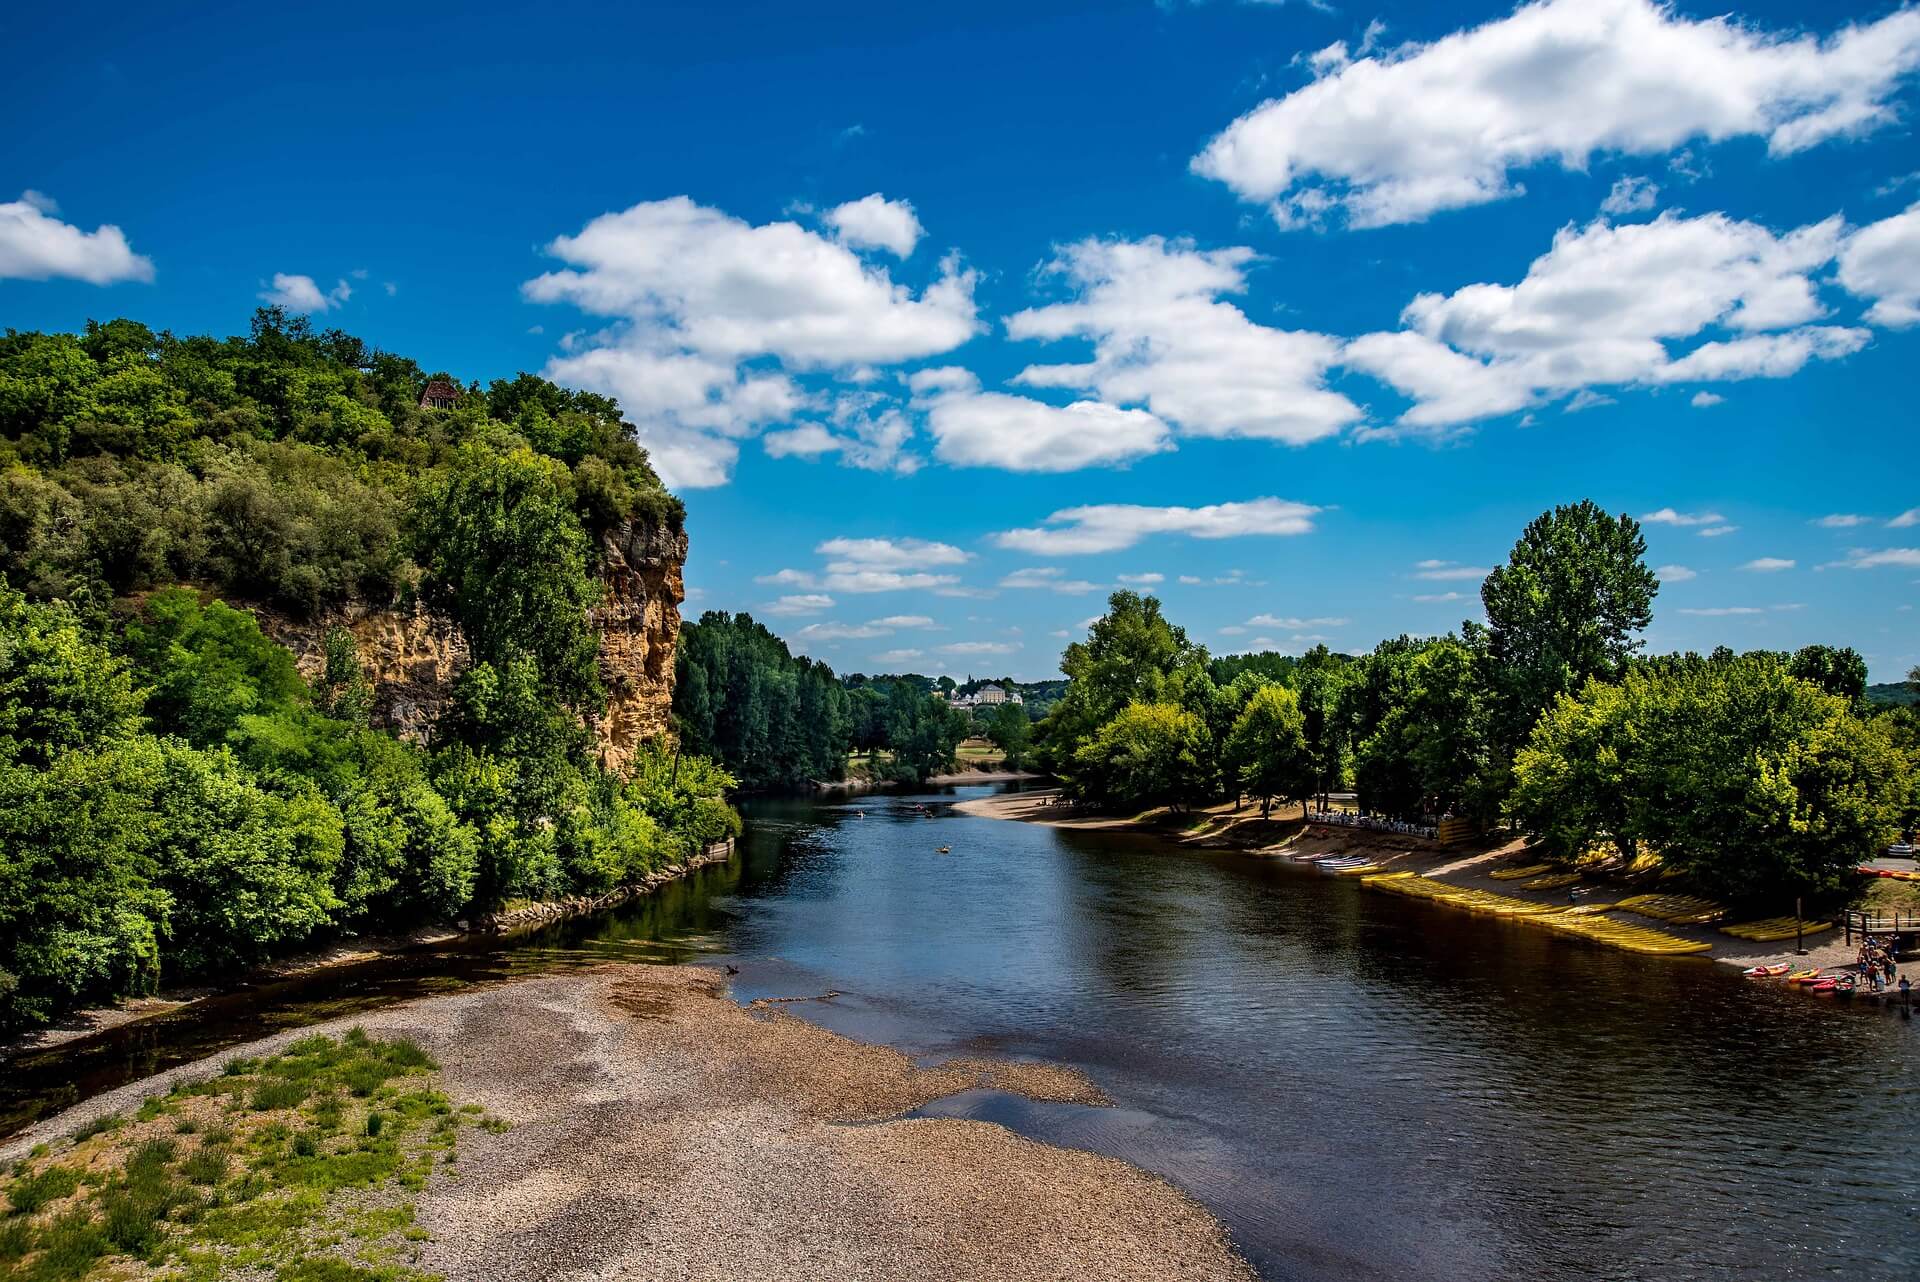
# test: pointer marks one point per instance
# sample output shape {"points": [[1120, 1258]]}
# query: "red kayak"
{"points": [[1823, 985]]}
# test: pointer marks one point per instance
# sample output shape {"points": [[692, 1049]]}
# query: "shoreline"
{"points": [[1464, 866], [659, 1129], [952, 779], [81, 1024]]}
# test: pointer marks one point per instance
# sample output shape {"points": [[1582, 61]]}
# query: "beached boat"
{"points": [[1804, 976], [1766, 972]]}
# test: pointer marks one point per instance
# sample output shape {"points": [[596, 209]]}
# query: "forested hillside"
{"points": [[174, 796]]}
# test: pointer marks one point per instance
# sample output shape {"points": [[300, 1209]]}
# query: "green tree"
{"points": [[209, 667], [247, 870], [1756, 784], [1568, 605], [1012, 732], [1268, 748], [504, 554], [80, 916], [59, 689], [345, 694], [1837, 670], [1147, 753], [1128, 656], [1431, 753]]}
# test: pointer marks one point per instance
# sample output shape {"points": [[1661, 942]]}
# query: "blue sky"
{"points": [[1307, 308]]}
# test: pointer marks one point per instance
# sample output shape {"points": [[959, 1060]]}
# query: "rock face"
{"points": [[639, 624], [412, 655]]}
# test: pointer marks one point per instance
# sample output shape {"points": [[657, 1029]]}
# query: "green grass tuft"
{"points": [[31, 1192], [278, 1093]]}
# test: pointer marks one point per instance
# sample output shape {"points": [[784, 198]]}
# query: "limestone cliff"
{"points": [[412, 655], [639, 624]]}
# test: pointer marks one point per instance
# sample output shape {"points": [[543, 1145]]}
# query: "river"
{"points": [[1360, 1085]]}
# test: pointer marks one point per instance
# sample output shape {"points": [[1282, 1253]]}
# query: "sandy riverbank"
{"points": [[1223, 828], [661, 1131]]}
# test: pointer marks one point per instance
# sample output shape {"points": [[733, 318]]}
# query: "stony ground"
{"points": [[661, 1131]]}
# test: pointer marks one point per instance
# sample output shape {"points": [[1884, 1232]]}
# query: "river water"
{"points": [[1360, 1085]]}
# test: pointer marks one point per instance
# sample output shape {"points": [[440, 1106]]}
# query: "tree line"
{"points": [[1757, 774], [778, 720], [175, 799]]}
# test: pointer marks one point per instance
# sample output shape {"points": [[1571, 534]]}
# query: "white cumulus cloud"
{"points": [[1421, 128], [1768, 564], [1881, 261], [302, 294], [874, 222], [980, 647], [1611, 305], [1109, 527], [1866, 559], [700, 303], [801, 603], [972, 428], [36, 245], [1668, 516], [1630, 195], [1675, 574], [1164, 338], [1448, 571], [1048, 578]]}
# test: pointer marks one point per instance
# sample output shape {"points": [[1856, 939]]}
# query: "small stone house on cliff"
{"points": [[440, 394]]}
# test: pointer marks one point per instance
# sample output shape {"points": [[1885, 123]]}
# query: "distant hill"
{"points": [[1894, 694]]}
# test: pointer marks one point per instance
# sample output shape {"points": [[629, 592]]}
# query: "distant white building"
{"points": [[986, 697]]}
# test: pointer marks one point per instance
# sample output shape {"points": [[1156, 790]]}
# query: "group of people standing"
{"points": [[1877, 966]]}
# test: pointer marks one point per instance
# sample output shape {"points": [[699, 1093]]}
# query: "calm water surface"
{"points": [[1362, 1086]]}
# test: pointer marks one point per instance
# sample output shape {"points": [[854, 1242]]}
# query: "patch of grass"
{"points": [[99, 1126], [135, 1206], [206, 1167], [32, 1191], [278, 1093], [67, 1248], [16, 1239], [253, 1194]]}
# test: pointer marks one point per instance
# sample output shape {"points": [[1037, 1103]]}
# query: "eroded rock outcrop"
{"points": [[412, 654], [639, 624]]}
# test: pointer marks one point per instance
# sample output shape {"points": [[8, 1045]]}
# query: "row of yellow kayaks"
{"points": [[1681, 910], [1515, 874], [1592, 924], [1775, 929]]}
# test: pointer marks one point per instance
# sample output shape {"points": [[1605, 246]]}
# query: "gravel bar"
{"points": [[662, 1131]]}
